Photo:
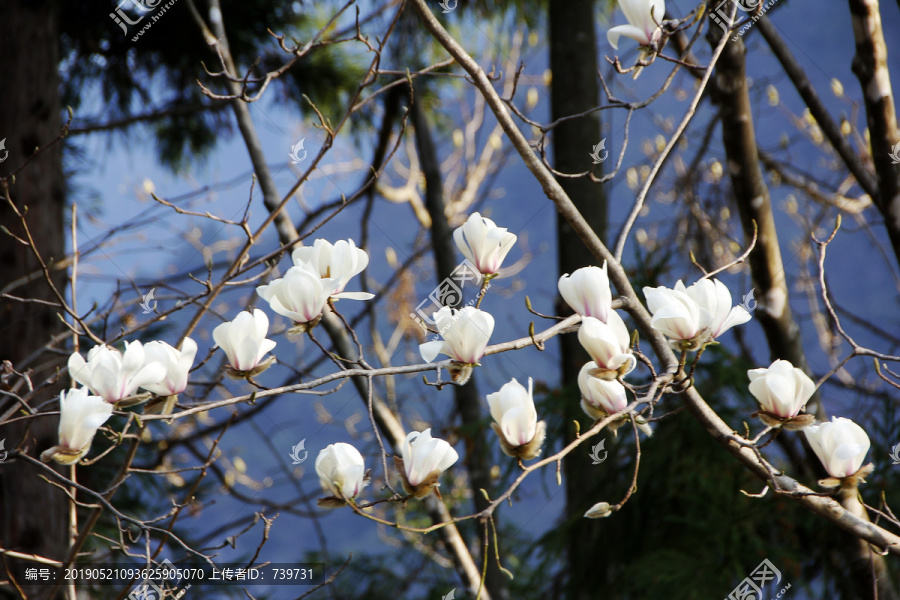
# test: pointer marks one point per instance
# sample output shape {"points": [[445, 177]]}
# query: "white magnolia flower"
{"points": [[341, 470], [483, 243], [466, 333], [300, 295], [244, 340], [643, 16], [177, 363], [587, 292], [675, 313], [841, 445], [424, 459], [782, 389], [80, 415], [607, 343], [600, 397], [341, 261], [717, 313], [114, 375], [516, 422], [695, 315]]}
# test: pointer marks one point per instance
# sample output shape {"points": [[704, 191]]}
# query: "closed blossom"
{"points": [[341, 470], [177, 363], [466, 333], [483, 243], [600, 397], [515, 420], [608, 343], [244, 340], [587, 292], [782, 389], [424, 459], [80, 416], [841, 445]]}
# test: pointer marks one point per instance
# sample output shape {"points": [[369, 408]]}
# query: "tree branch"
{"points": [[721, 432]]}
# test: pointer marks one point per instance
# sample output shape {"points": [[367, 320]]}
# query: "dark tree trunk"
{"points": [[33, 516], [575, 89]]}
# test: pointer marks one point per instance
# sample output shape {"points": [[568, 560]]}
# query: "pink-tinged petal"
{"points": [[150, 373], [133, 359], [245, 353], [105, 383]]}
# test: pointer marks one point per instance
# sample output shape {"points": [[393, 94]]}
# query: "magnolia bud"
{"points": [[599, 511]]}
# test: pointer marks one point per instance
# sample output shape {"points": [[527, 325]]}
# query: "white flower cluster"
{"points": [[690, 317]]}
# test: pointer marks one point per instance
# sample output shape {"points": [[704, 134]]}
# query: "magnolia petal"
{"points": [[245, 354], [265, 347], [150, 373], [77, 369], [354, 295], [630, 31], [430, 350]]}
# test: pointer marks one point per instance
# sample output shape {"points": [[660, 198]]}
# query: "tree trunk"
{"points": [[575, 89], [731, 93], [33, 516], [870, 65], [466, 397]]}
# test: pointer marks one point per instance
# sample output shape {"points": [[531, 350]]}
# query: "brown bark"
{"points": [[33, 514], [871, 68], [870, 574], [731, 93], [575, 89]]}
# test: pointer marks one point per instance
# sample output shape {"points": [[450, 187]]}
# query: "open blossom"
{"points": [[466, 333], [607, 343], [717, 313], [600, 397], [114, 375], [300, 295], [782, 389], [424, 458], [694, 315], [587, 292], [177, 363], [643, 16], [841, 445], [341, 261], [80, 415], [244, 341], [515, 420], [483, 243], [341, 470]]}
